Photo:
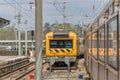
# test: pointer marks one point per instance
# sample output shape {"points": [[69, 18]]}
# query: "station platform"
{"points": [[12, 64], [10, 59]]}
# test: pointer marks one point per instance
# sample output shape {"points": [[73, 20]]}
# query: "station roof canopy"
{"points": [[4, 22]]}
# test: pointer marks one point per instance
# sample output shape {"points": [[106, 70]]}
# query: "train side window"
{"points": [[94, 44], [112, 48], [101, 44]]}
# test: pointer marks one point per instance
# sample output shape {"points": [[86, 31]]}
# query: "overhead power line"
{"points": [[13, 5], [60, 7]]}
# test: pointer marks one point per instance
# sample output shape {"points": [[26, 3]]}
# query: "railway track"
{"points": [[18, 73], [64, 74], [12, 64], [25, 75]]}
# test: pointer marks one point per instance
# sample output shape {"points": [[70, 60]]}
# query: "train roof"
{"points": [[64, 32], [60, 33]]}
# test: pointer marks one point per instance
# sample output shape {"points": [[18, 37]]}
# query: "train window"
{"points": [[61, 36], [94, 44], [89, 44], [109, 43], [68, 44], [112, 50], [53, 44], [101, 46], [61, 44], [111, 9]]}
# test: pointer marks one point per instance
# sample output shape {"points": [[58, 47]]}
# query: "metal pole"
{"points": [[16, 32], [38, 39], [19, 32], [32, 47], [26, 38]]}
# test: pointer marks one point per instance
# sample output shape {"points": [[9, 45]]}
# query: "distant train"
{"points": [[61, 48]]}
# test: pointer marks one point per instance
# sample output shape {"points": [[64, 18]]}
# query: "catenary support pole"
{"points": [[19, 28], [38, 38], [26, 38]]}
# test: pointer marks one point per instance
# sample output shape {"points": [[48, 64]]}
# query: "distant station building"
{"points": [[4, 22]]}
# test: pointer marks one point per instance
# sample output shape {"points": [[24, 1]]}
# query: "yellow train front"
{"points": [[61, 48]]}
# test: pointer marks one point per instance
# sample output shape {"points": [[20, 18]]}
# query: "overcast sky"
{"points": [[75, 10]]}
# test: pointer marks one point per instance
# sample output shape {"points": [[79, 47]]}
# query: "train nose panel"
{"points": [[62, 52]]}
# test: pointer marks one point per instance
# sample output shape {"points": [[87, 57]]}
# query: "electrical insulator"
{"points": [[32, 33]]}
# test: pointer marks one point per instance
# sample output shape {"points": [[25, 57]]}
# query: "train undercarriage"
{"points": [[62, 63]]}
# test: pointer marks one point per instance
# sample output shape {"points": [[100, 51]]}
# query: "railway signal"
{"points": [[32, 33]]}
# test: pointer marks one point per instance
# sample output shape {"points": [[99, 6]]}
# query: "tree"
{"points": [[7, 33], [46, 28], [67, 26]]}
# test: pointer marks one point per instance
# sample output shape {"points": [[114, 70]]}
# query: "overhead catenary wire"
{"points": [[21, 6], [12, 5], [60, 9], [76, 1], [20, 10], [97, 10], [16, 8], [24, 10]]}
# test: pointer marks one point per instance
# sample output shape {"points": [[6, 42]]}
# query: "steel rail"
{"points": [[4, 74]]}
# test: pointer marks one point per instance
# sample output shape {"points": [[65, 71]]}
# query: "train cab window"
{"points": [[53, 44], [68, 44], [112, 50], [61, 44]]}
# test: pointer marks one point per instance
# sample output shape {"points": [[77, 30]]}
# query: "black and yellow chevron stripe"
{"points": [[60, 50]]}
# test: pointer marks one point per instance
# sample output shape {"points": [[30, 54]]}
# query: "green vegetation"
{"points": [[67, 26], [7, 33], [11, 33]]}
